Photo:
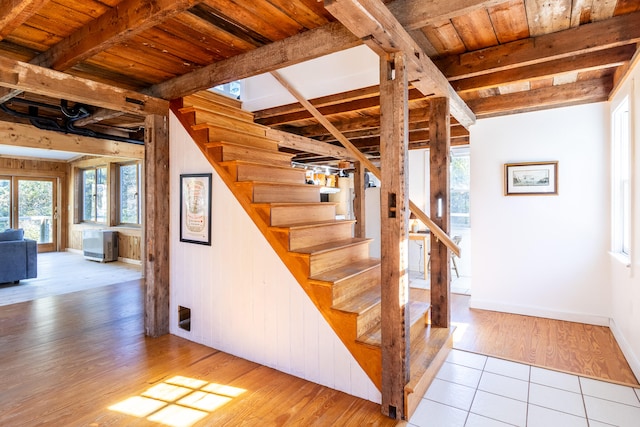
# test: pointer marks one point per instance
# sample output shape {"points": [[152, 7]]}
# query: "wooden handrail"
{"points": [[433, 228]]}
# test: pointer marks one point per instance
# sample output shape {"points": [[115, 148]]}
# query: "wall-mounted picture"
{"points": [[531, 178], [195, 208]]}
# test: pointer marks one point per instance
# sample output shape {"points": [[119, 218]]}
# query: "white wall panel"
{"points": [[542, 255], [243, 299]]}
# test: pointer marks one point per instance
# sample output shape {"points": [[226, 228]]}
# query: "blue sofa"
{"points": [[18, 256]]}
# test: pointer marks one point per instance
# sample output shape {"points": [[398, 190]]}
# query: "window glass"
{"points": [[94, 194], [129, 194], [621, 213], [5, 204]]}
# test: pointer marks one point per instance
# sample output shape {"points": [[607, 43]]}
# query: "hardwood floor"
{"points": [[81, 359], [587, 350]]}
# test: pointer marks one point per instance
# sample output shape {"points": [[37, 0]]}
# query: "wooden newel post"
{"points": [[440, 145], [156, 226], [394, 222]]}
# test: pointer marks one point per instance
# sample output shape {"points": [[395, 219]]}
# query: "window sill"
{"points": [[621, 258]]}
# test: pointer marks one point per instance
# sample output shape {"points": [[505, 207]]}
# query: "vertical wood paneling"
{"points": [[243, 298]]}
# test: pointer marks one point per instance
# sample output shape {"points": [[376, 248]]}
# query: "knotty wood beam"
{"points": [[617, 31], [17, 12], [43, 81], [439, 189], [581, 92], [414, 14], [394, 224], [372, 21], [120, 23], [156, 226], [311, 44], [586, 62], [29, 136]]}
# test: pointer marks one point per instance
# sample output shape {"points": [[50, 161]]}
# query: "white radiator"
{"points": [[100, 245]]}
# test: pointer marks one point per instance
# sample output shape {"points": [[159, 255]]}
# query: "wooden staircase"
{"points": [[332, 266]]}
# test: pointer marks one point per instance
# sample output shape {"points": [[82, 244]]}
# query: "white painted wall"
{"points": [[543, 255], [243, 300], [625, 278]]}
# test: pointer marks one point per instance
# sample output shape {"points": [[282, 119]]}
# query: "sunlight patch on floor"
{"points": [[178, 401]]}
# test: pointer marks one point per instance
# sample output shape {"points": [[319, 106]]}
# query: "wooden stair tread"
{"points": [[361, 302], [347, 271], [278, 184], [292, 204], [249, 163], [327, 247], [207, 95], [211, 144], [314, 224]]}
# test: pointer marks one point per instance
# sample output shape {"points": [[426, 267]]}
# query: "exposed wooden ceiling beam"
{"points": [[16, 12], [329, 38], [23, 135], [581, 92], [618, 31], [372, 21], [44, 81], [120, 23], [585, 62], [311, 44]]}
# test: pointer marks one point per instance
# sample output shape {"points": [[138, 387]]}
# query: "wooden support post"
{"points": [[394, 221], [359, 201], [440, 146], [156, 226]]}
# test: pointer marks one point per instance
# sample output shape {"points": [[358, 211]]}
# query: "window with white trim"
{"points": [[621, 179]]}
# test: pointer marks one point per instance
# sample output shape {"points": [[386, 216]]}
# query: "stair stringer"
{"points": [[369, 357]]}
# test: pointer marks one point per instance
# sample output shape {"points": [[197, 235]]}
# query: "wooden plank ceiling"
{"points": [[501, 57]]}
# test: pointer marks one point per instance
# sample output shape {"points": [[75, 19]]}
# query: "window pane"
{"points": [[35, 210], [88, 195], [101, 194], [129, 194], [5, 204]]}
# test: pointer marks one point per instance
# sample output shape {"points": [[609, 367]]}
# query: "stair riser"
{"points": [[227, 135], [303, 238], [417, 328], [230, 123], [338, 258], [233, 152], [289, 215], [247, 172], [345, 289], [368, 319], [216, 107], [285, 194]]}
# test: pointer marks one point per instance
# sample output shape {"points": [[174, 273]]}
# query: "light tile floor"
{"points": [[473, 390]]}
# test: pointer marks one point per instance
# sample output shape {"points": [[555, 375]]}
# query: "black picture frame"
{"points": [[195, 208]]}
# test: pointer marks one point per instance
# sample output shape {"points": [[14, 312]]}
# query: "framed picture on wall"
{"points": [[531, 178], [195, 208]]}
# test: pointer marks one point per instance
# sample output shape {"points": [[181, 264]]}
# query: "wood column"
{"points": [[439, 148], [156, 225], [359, 201], [394, 222]]}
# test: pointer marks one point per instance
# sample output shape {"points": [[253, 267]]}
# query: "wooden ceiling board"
{"points": [[509, 21], [32, 38], [541, 83], [444, 38], [268, 22], [184, 41], [92, 8], [626, 6], [129, 67], [301, 13], [59, 19], [210, 34], [475, 30], [13, 51], [111, 77], [581, 12], [602, 9], [156, 58], [548, 16], [187, 52]]}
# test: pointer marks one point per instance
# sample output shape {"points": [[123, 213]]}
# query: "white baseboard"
{"points": [[527, 310], [632, 359]]}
